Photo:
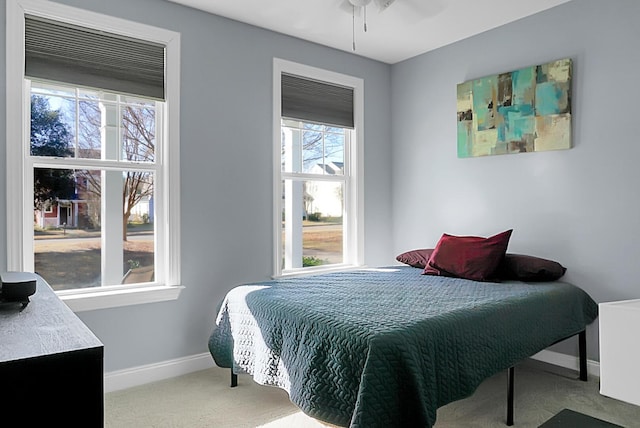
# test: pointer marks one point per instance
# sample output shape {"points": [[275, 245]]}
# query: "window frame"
{"points": [[353, 221], [19, 203]]}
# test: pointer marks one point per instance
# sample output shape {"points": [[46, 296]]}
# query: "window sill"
{"points": [[105, 299], [318, 270]]}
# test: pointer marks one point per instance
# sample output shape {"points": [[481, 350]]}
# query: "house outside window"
{"points": [[317, 182], [92, 135]]}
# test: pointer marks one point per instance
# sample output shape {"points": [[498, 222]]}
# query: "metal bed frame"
{"points": [[582, 350]]}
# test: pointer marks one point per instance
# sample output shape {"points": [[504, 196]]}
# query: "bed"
{"points": [[388, 346]]}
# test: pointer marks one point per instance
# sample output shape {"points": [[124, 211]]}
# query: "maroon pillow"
{"points": [[415, 258], [469, 257], [529, 268]]}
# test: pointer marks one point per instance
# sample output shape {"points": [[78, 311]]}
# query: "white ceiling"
{"points": [[406, 29]]}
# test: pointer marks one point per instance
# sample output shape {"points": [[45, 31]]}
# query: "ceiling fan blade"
{"points": [[383, 4]]}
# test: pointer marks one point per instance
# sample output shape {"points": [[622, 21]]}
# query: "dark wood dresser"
{"points": [[51, 364]]}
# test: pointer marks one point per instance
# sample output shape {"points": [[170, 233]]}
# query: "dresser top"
{"points": [[45, 326]]}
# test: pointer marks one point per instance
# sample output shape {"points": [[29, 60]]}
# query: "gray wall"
{"points": [[226, 166], [579, 206]]}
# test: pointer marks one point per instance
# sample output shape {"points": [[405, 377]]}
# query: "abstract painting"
{"points": [[526, 110]]}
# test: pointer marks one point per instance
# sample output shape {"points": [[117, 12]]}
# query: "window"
{"points": [[318, 216], [75, 134], [96, 150]]}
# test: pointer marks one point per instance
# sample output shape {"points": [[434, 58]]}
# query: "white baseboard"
{"points": [[567, 361], [127, 378]]}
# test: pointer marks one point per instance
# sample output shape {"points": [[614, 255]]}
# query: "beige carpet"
{"points": [[204, 399]]}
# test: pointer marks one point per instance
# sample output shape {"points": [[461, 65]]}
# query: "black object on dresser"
{"points": [[51, 364], [17, 287]]}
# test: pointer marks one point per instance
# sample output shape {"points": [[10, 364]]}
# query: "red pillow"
{"points": [[415, 258], [469, 257]]}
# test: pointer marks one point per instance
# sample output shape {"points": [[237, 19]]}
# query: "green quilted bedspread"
{"points": [[387, 347]]}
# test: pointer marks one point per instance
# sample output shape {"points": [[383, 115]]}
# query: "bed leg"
{"points": [[510, 375], [234, 379], [582, 345]]}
